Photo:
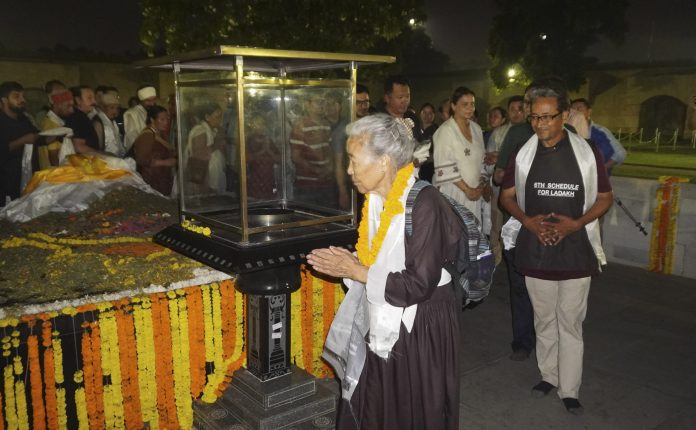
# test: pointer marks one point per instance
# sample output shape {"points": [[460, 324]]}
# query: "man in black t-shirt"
{"points": [[397, 99], [555, 188], [85, 138], [16, 130]]}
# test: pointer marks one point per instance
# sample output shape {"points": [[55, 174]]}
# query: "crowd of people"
{"points": [[537, 180], [82, 120], [536, 177]]}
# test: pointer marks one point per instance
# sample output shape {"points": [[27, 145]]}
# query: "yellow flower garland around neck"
{"points": [[367, 253]]}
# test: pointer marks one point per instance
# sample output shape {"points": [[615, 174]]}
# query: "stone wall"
{"points": [[34, 74], [623, 242]]}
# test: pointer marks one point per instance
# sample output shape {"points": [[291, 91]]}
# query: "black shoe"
{"points": [[519, 355], [573, 406], [542, 389]]}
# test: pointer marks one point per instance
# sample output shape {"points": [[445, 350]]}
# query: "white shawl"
{"points": [[588, 169], [365, 306]]}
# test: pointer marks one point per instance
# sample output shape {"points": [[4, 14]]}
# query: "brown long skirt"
{"points": [[417, 387]]}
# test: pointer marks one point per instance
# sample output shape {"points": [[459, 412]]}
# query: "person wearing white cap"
{"points": [[105, 124], [134, 119]]}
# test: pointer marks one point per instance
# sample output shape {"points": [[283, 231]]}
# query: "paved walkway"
{"points": [[640, 359]]}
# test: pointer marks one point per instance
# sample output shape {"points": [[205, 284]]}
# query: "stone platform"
{"points": [[293, 401]]}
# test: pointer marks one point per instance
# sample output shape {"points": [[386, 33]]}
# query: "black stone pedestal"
{"points": [[268, 319], [293, 401], [271, 393]]}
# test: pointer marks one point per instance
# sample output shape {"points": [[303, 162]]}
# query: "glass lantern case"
{"points": [[261, 176]]}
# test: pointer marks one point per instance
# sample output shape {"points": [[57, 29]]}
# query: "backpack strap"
{"points": [[477, 242], [476, 239], [410, 201]]}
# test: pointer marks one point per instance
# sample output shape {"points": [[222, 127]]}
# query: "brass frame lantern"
{"points": [[231, 230]]}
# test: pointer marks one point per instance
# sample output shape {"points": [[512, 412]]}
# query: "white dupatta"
{"points": [[364, 313]]}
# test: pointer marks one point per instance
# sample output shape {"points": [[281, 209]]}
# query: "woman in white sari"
{"points": [[395, 340], [459, 153]]}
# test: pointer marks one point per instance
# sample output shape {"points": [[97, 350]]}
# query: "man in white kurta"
{"points": [[135, 118], [457, 158]]}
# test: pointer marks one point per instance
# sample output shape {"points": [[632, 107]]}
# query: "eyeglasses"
{"points": [[362, 102], [543, 118]]}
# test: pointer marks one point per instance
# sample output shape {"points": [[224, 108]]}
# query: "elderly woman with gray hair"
{"points": [[395, 340]]}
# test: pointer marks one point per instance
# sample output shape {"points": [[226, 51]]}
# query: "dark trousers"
{"points": [[523, 335]]}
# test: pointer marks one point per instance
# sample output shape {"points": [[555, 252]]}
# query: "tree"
{"points": [[308, 25], [414, 50], [284, 24], [538, 38]]}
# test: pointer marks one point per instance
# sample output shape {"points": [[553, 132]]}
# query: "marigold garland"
{"points": [[307, 319], [20, 394], [220, 378], [117, 344], [144, 338], [296, 328], [664, 228], [317, 326], [196, 347], [208, 324], [166, 405], [180, 358], [61, 404], [37, 401], [8, 322], [2, 417], [87, 377], [129, 370], [218, 358], [81, 409], [191, 226], [113, 396], [228, 318], [328, 313], [97, 376], [49, 373], [103, 241], [367, 252], [10, 403]]}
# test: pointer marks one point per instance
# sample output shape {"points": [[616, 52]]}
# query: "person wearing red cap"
{"points": [[62, 106]]}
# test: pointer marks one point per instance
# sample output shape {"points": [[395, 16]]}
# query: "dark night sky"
{"points": [[98, 25], [659, 29]]}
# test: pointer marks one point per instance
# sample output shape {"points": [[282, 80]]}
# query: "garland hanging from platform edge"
{"points": [[664, 230], [119, 379]]}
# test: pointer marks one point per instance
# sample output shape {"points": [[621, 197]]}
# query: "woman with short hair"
{"points": [[395, 340]]}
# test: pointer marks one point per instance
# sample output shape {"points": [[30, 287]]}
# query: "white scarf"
{"points": [[588, 169], [112, 137], [365, 306]]}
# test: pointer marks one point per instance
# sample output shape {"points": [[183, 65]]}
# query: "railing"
{"points": [[659, 137]]}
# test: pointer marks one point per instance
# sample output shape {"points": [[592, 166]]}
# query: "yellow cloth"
{"points": [[46, 124], [82, 168]]}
